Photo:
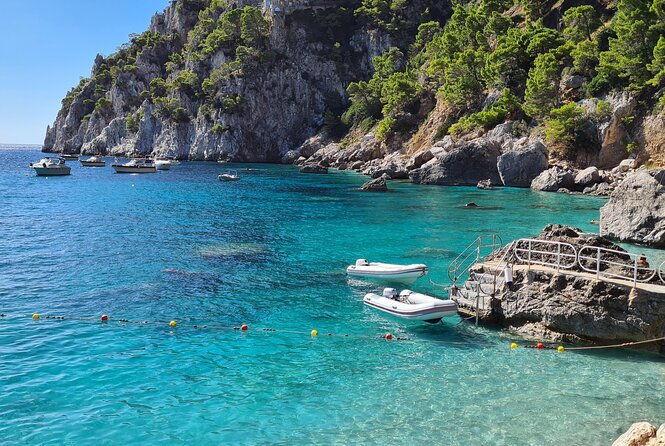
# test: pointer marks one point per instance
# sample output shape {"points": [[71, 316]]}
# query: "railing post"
{"points": [[635, 272], [558, 257], [529, 248], [598, 263], [477, 305]]}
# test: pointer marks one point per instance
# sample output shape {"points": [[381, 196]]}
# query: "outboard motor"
{"points": [[362, 262], [390, 293]]}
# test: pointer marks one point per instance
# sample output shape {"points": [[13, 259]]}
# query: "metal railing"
{"points": [[476, 252], [535, 252], [661, 272], [631, 270]]}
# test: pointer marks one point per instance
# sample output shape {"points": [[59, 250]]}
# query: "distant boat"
{"points": [[137, 165], [70, 156], [93, 161], [47, 167], [387, 271], [231, 175], [411, 305], [163, 164]]}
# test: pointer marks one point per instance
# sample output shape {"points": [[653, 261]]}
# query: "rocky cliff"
{"points": [[221, 80]]}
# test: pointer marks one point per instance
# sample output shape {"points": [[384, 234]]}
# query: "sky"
{"points": [[46, 46]]}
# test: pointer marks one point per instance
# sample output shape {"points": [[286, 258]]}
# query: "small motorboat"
{"points": [[231, 175], [70, 156], [387, 271], [163, 164], [411, 305], [47, 167], [137, 165], [93, 161]]}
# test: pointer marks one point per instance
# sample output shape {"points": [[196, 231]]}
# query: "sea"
{"points": [[269, 252]]}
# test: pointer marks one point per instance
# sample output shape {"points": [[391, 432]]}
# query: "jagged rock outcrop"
{"points": [[636, 209], [642, 434], [465, 165], [519, 167], [571, 306]]}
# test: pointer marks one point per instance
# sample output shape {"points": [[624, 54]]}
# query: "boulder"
{"points": [[571, 82], [375, 185], [553, 179], [465, 165], [635, 211], [418, 160], [291, 157], [639, 434], [587, 177], [519, 167], [394, 169], [313, 168]]}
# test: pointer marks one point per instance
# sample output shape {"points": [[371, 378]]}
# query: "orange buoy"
{"points": [[173, 323], [35, 316], [104, 318], [540, 346], [314, 332], [389, 336], [244, 327]]}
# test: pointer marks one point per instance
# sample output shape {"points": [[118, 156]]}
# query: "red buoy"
{"points": [[540, 346], [389, 336], [244, 327], [104, 318]]}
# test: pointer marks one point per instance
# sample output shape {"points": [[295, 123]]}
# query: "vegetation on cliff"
{"points": [[476, 62], [504, 59]]}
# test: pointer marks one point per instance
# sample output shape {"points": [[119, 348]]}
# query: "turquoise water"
{"points": [[270, 251]]}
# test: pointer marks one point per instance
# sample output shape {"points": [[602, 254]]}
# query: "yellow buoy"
{"points": [[560, 348], [513, 345], [315, 332], [173, 323], [35, 316]]}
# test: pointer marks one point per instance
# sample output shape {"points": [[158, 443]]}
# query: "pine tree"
{"points": [[581, 22], [657, 65], [542, 86], [625, 61]]}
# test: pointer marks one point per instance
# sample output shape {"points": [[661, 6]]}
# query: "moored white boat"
{"points": [[231, 175], [411, 305], [70, 156], [47, 167], [387, 271], [93, 161], [137, 165], [163, 164]]}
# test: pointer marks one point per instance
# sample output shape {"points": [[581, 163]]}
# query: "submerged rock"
{"points": [[636, 209]]}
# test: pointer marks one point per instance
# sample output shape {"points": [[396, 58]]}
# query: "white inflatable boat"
{"points": [[387, 271], [411, 305]]}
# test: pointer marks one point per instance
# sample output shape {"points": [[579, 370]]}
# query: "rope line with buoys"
{"points": [[244, 327], [313, 333], [561, 348]]}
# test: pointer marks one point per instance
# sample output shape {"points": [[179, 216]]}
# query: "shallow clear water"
{"points": [[269, 251]]}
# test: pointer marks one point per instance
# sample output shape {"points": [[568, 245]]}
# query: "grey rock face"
{"points": [[375, 185], [519, 167], [553, 179], [636, 209], [465, 165]]}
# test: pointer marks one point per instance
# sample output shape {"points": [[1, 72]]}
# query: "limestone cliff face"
{"points": [[170, 91]]}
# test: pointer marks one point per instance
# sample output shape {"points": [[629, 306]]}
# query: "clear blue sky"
{"points": [[47, 45]]}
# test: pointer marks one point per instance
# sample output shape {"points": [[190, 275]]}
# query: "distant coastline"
{"points": [[4, 146]]}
